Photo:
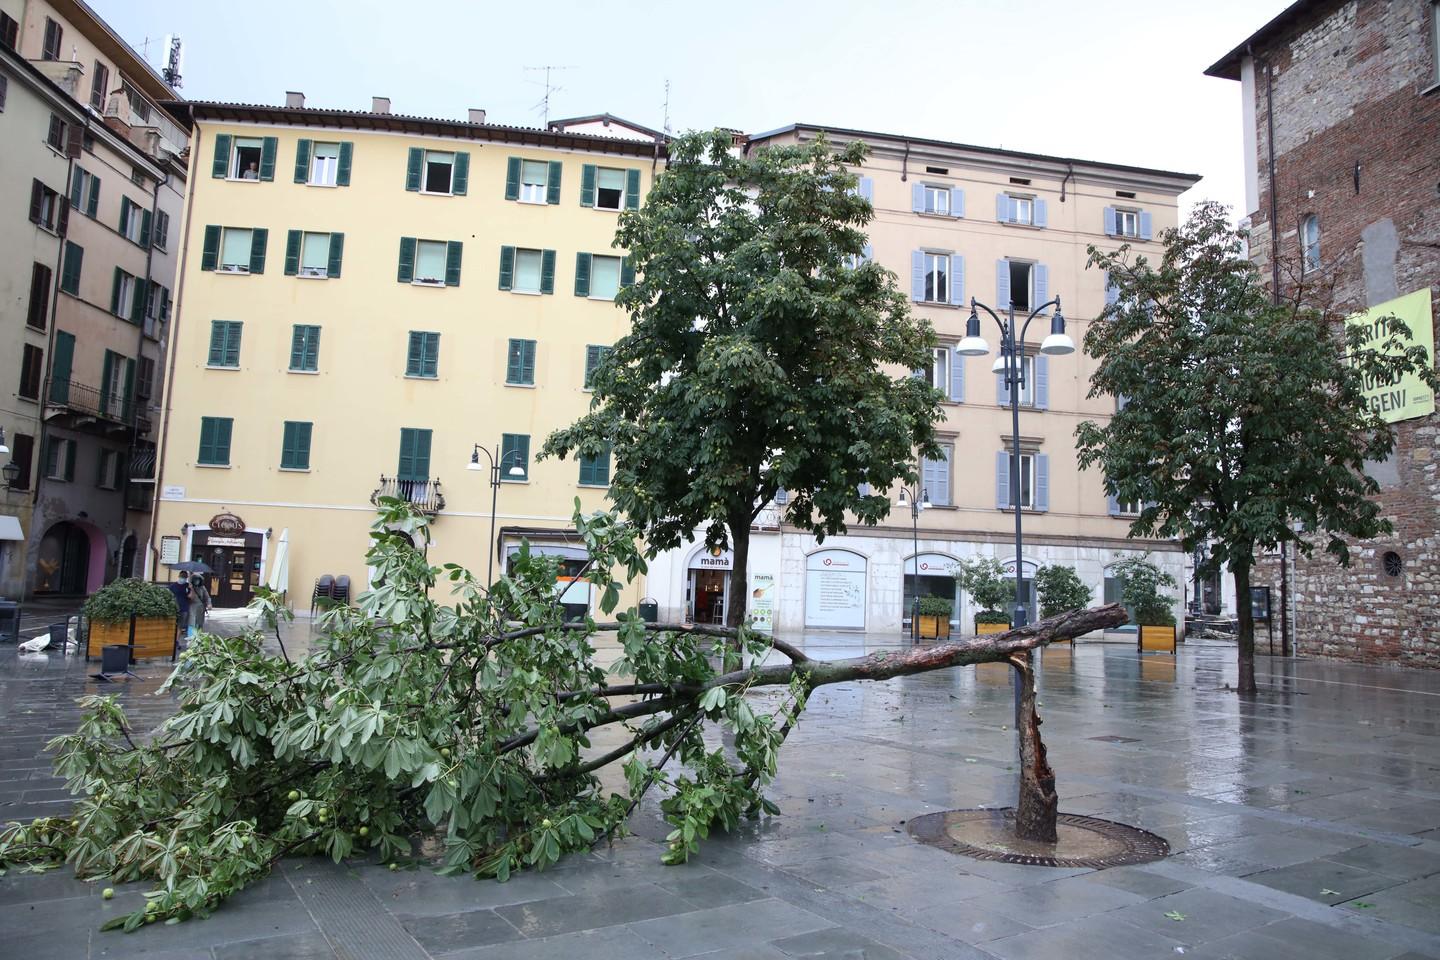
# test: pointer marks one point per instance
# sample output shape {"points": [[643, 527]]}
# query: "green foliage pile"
{"points": [[410, 718], [985, 580], [1060, 589], [118, 600], [1141, 590]]}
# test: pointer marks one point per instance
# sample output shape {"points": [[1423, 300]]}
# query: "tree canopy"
{"points": [[1245, 424]]}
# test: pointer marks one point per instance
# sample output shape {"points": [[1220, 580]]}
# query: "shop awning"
{"points": [[10, 529], [550, 550]]}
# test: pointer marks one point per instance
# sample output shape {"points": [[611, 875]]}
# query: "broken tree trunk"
{"points": [[1038, 804]]}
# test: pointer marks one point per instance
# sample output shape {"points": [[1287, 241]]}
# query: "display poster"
{"points": [[762, 602], [169, 549], [835, 590]]}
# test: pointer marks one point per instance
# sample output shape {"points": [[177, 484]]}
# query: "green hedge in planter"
{"points": [[1141, 581], [993, 616], [936, 607], [118, 600]]}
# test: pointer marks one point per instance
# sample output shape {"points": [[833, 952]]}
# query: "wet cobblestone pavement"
{"points": [[1304, 824]]}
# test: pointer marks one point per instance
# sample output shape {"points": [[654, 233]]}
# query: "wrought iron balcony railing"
{"points": [[67, 394], [424, 494]]}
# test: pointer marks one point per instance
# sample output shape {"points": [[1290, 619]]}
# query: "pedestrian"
{"points": [[199, 601], [181, 589]]}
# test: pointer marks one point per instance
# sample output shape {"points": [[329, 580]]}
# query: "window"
{"points": [[305, 348], [426, 171], [145, 378], [433, 263], [107, 477], [60, 459], [50, 50], [414, 466], [9, 30], [1020, 277], [1022, 210], [1034, 480], [245, 158], [609, 188], [44, 207], [324, 164], [534, 180], [514, 452], [1127, 223], [139, 106], [594, 355], [70, 269], [430, 261], [595, 471], [39, 308], [295, 445], [1027, 481], [55, 136], [134, 222], [158, 309], [527, 271], [122, 297], [605, 277], [937, 277], [1310, 243], [1127, 508], [117, 381], [315, 255], [32, 370], [423, 357], [938, 374], [224, 343], [215, 441], [439, 168], [937, 199], [160, 236], [85, 192], [22, 452], [520, 365], [236, 246], [935, 476], [1027, 381], [99, 86]]}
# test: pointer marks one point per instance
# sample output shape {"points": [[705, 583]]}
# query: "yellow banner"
{"points": [[1406, 397]]}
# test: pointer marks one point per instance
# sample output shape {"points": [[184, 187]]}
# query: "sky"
{"points": [[1110, 80]]}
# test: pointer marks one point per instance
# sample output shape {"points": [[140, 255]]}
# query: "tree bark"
{"points": [[1246, 646], [737, 592], [1038, 803]]}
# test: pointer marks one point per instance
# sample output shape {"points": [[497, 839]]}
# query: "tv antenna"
{"points": [[550, 90], [665, 126]]}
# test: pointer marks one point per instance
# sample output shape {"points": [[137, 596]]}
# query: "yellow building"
{"points": [[363, 298]]}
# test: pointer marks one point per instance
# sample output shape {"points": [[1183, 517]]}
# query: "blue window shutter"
{"points": [[867, 188], [917, 197], [413, 163], [1042, 383], [957, 279], [1145, 225], [1042, 284], [1041, 217], [917, 275], [1112, 506], [1110, 228], [1002, 480], [460, 181], [1002, 284], [1002, 390], [957, 202], [1002, 208], [867, 253], [1112, 292], [957, 377], [1042, 481]]}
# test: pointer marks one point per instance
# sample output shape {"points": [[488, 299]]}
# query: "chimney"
{"points": [[477, 116], [294, 99], [379, 104]]}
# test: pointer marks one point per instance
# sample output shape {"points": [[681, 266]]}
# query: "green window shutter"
{"points": [[507, 267], [515, 362], [514, 452], [106, 372], [297, 347], [547, 271], [406, 273], [138, 304], [422, 454], [210, 253], [414, 355], [302, 161], [268, 149], [94, 205], [312, 348], [405, 470], [115, 292], [512, 183], [582, 274], [552, 182], [460, 176], [337, 254], [70, 460], [527, 371], [70, 275], [292, 253], [632, 189], [627, 272], [452, 263], [222, 439], [295, 445], [221, 165], [342, 169], [258, 239], [592, 360], [595, 471], [77, 184], [219, 343], [431, 364], [412, 169], [587, 185], [129, 393], [233, 329], [124, 215], [208, 430], [61, 359], [145, 220]]}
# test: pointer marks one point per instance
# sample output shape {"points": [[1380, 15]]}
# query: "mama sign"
{"points": [[1407, 397]]}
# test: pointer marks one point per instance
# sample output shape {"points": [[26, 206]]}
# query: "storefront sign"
{"points": [[762, 602], [169, 549], [214, 541], [1407, 397], [835, 589], [932, 565], [712, 560], [227, 523]]}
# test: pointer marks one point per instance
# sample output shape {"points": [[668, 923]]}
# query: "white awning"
{"points": [[10, 528]]}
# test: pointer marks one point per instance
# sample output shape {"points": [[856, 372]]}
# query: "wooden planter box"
{"points": [[146, 636], [981, 629], [1160, 639], [936, 627]]}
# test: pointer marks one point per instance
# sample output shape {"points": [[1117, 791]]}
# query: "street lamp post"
{"points": [[916, 503], [1010, 361], [496, 461]]}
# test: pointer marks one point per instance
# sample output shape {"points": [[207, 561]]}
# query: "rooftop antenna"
{"points": [[174, 60], [544, 103], [666, 125]]}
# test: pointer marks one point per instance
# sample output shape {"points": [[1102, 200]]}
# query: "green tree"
{"points": [[985, 580], [1246, 419], [765, 354], [1060, 588], [1142, 585]]}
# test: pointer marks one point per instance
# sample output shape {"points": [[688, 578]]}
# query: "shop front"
{"points": [[574, 590], [707, 590], [235, 556], [835, 590], [935, 578]]}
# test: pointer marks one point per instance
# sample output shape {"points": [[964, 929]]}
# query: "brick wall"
{"points": [[1358, 145]]}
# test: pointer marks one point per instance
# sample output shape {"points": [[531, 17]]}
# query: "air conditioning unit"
{"points": [[314, 272]]}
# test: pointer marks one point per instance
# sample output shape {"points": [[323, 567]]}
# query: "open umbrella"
{"points": [[191, 566]]}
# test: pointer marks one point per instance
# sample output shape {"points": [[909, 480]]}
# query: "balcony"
{"points": [[80, 405], [139, 495], [424, 494]]}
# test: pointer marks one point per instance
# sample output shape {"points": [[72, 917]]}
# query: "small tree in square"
{"points": [[1060, 588]]}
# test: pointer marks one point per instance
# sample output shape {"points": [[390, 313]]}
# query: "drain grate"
{"points": [[1111, 738], [1083, 841]]}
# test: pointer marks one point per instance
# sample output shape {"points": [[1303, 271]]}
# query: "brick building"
{"points": [[1341, 102]]}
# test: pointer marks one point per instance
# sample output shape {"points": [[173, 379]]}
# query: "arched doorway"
{"points": [[835, 583], [127, 557], [1114, 586], [62, 564], [936, 578], [707, 585]]}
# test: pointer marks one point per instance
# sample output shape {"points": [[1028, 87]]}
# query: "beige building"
{"points": [[955, 222], [100, 265]]}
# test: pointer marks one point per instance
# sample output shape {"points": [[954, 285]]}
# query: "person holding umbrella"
{"points": [[199, 601], [181, 589]]}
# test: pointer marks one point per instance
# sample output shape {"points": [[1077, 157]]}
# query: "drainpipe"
{"points": [[139, 355]]}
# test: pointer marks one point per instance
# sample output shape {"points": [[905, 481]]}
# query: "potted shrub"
{"points": [[132, 612], [984, 579], [1141, 592], [1060, 589], [935, 617]]}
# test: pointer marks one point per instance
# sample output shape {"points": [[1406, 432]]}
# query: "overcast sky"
{"points": [[1112, 80]]}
